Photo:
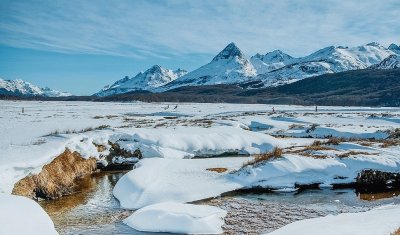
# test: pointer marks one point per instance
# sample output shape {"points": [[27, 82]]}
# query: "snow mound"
{"points": [[20, 215], [187, 142], [175, 217], [158, 180], [379, 221]]}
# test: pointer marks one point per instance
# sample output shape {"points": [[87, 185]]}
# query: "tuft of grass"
{"points": [[217, 169], [274, 154], [102, 127], [316, 156], [312, 128], [334, 141], [73, 131], [316, 143], [397, 232], [347, 154], [395, 134], [316, 146], [295, 126], [39, 141], [389, 142]]}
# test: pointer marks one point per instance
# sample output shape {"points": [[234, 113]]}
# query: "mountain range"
{"points": [[19, 87], [231, 66]]}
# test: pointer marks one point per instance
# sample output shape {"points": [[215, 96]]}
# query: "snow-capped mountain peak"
{"points": [[148, 80], [229, 52], [230, 66], [272, 60], [20, 87]]}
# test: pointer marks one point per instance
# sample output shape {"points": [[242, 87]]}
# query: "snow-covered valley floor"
{"points": [[184, 149]]}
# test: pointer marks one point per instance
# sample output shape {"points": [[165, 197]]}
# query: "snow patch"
{"points": [[176, 217]]}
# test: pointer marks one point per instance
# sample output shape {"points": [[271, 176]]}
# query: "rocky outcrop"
{"points": [[376, 181], [118, 158], [57, 178]]}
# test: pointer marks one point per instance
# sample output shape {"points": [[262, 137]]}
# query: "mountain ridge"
{"points": [[275, 68], [20, 87], [148, 80]]}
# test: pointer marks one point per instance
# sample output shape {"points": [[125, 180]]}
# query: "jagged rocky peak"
{"points": [[395, 48], [374, 44], [230, 51], [155, 69], [276, 56], [180, 72]]}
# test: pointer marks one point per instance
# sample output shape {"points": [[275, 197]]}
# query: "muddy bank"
{"points": [[58, 178]]}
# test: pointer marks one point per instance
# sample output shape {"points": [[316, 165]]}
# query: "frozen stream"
{"points": [[94, 210]]}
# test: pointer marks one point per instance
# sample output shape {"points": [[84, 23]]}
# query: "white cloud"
{"points": [[142, 29]]}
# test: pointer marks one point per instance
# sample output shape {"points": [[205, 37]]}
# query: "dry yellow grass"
{"points": [[347, 154], [217, 169], [397, 232], [335, 141], [274, 154], [389, 142]]}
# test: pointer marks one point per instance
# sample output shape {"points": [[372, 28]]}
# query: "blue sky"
{"points": [[80, 46]]}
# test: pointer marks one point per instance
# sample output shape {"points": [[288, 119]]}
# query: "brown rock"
{"points": [[57, 178]]}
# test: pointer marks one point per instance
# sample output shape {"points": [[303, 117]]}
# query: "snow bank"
{"points": [[175, 217], [20, 215], [380, 221], [187, 142], [180, 180], [291, 169]]}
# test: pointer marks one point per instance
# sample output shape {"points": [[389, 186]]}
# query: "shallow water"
{"points": [[263, 213], [94, 210]]}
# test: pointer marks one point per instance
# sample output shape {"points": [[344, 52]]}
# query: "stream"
{"points": [[94, 210]]}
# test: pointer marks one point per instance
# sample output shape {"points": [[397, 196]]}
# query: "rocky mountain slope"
{"points": [[270, 61], [391, 62]]}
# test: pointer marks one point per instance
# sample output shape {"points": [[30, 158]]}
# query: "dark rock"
{"points": [[119, 159], [374, 180]]}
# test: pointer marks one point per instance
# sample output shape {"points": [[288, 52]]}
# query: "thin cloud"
{"points": [[163, 29]]}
